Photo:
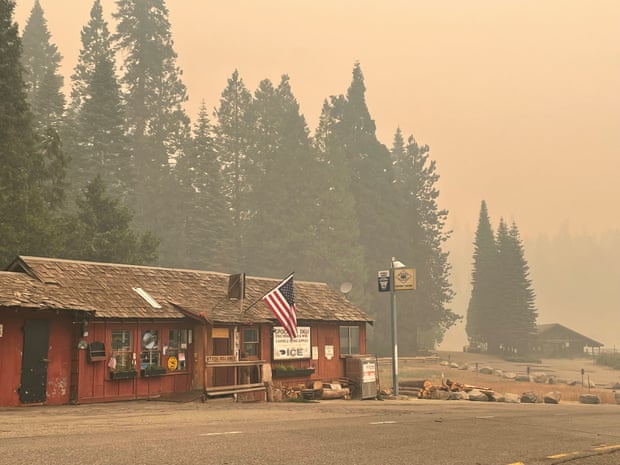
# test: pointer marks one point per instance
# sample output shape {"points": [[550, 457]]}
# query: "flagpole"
{"points": [[261, 298]]}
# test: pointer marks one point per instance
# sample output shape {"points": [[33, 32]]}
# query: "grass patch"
{"points": [[609, 360]]}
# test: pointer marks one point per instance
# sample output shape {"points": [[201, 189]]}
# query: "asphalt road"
{"points": [[331, 432]]}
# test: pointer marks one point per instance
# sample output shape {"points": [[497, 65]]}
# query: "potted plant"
{"points": [[281, 371], [123, 374], [152, 370]]}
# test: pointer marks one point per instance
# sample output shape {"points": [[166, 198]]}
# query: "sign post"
{"points": [[401, 278]]}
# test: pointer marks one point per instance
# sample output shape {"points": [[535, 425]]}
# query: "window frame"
{"points": [[347, 348]]}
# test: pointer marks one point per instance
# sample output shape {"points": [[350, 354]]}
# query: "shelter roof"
{"points": [[130, 291]]}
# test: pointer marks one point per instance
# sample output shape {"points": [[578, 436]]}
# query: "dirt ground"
{"points": [[567, 369], [603, 381]]}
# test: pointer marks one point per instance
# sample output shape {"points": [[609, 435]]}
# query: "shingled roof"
{"points": [[558, 332], [110, 291]]}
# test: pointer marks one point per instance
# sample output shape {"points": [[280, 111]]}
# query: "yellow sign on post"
{"points": [[404, 279]]}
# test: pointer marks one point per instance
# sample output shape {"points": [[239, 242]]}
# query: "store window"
{"points": [[150, 356], [121, 350], [249, 342], [176, 350], [349, 340]]}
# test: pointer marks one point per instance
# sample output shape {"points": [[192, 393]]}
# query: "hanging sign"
{"points": [[404, 279], [383, 280]]}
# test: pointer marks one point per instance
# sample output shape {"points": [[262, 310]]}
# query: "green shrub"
{"points": [[610, 360]]}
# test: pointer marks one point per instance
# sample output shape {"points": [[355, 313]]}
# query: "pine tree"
{"points": [[281, 166], [41, 61], [516, 320], [208, 232], [157, 124], [101, 230], [422, 232], [232, 133], [482, 303], [352, 134], [95, 135], [32, 169], [336, 254]]}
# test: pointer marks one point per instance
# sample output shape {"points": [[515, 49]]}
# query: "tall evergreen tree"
{"points": [[516, 311], [157, 124], [32, 169], [101, 230], [280, 172], [95, 135], [501, 313], [232, 133], [208, 232], [482, 302], [368, 165], [336, 253], [422, 232], [41, 61]]}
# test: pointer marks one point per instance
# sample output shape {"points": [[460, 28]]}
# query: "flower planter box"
{"points": [[299, 372], [123, 374], [147, 372]]}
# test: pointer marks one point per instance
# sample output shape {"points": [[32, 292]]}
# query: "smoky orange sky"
{"points": [[519, 101]]}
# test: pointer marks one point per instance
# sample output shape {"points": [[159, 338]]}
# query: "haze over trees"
{"points": [[246, 188], [502, 312]]}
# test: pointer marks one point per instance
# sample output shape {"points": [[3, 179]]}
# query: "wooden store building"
{"points": [[79, 332]]}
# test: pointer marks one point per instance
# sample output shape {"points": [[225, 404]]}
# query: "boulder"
{"points": [[464, 366], [454, 365], [510, 398], [510, 375], [552, 397], [589, 399], [458, 395], [539, 377], [529, 397], [486, 370], [440, 394], [523, 378], [478, 396]]}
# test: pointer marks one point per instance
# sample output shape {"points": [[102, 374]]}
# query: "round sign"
{"points": [[172, 363]]}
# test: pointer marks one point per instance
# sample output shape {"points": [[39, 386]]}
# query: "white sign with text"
{"points": [[285, 348]]}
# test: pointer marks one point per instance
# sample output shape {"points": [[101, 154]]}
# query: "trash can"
{"points": [[362, 371]]}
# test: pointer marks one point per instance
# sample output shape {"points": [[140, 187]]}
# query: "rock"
{"points": [[477, 395], [539, 377], [617, 397], [523, 378], [552, 397], [458, 395], [464, 366], [444, 363], [510, 375], [510, 398], [496, 397], [499, 373], [589, 399], [439, 394], [529, 397], [454, 365], [486, 370]]}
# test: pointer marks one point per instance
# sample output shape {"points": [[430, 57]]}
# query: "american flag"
{"points": [[281, 301]]}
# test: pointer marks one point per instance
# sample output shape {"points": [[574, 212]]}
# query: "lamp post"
{"points": [[394, 265]]}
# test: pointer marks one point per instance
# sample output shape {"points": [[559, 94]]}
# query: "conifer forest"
{"points": [[116, 171]]}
